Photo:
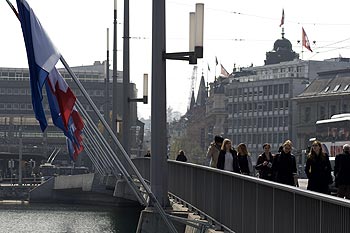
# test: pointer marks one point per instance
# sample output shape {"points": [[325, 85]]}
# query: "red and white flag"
{"points": [[305, 40], [282, 19], [224, 71]]}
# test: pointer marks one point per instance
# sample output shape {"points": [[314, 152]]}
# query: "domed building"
{"points": [[282, 51]]}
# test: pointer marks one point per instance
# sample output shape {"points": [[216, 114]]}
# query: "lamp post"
{"points": [[115, 72], [159, 166], [126, 81]]}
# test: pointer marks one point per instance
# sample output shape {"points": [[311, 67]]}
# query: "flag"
{"points": [[42, 58], [305, 40], [282, 19], [208, 68], [224, 71], [216, 60]]}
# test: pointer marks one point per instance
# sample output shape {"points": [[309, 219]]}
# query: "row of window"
{"points": [[323, 114], [258, 106], [25, 74], [257, 138], [27, 91], [275, 89], [260, 122], [22, 106]]}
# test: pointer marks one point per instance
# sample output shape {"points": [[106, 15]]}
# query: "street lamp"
{"points": [[195, 38], [144, 99]]}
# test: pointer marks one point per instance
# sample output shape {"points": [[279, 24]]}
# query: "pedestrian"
{"points": [[244, 160], [181, 156], [228, 159], [148, 154], [214, 150], [342, 172], [284, 165], [264, 163], [318, 169]]}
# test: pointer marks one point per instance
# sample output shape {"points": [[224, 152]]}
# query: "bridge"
{"points": [[245, 204], [223, 200]]}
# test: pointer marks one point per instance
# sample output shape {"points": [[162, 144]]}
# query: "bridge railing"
{"points": [[248, 204]]}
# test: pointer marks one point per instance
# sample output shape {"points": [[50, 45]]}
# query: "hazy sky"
{"points": [[237, 32]]}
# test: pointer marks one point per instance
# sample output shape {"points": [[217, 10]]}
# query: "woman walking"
{"points": [[244, 160], [318, 169], [284, 165], [264, 163], [228, 158]]}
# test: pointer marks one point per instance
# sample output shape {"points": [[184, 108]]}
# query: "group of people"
{"points": [[281, 167], [223, 156]]}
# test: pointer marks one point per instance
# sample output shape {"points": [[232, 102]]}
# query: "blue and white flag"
{"points": [[42, 56]]}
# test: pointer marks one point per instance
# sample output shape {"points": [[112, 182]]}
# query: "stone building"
{"points": [[326, 96], [258, 100]]}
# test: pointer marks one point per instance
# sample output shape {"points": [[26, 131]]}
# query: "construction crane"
{"points": [[193, 79]]}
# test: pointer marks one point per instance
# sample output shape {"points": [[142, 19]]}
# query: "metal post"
{"points": [[107, 108], [159, 166], [126, 81], [115, 72], [20, 155]]}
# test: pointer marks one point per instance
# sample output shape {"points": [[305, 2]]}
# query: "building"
{"points": [[327, 95], [259, 102], [16, 111]]}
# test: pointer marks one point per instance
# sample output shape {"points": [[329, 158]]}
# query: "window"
{"points": [[286, 88], [345, 108], [327, 88], [307, 114], [333, 110], [322, 113], [346, 87], [336, 87]]}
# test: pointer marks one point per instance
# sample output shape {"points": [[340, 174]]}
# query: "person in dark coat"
{"points": [[284, 165], [264, 163], [342, 172], [228, 159], [318, 169], [148, 154], [244, 160], [181, 156]]}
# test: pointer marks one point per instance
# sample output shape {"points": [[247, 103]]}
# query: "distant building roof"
{"points": [[328, 83]]}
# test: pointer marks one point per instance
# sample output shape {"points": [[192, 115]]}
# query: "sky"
{"points": [[238, 33]]}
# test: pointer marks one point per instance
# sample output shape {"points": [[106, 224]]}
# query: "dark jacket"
{"points": [[318, 171], [284, 168], [244, 164], [221, 161], [181, 158], [342, 169], [265, 172]]}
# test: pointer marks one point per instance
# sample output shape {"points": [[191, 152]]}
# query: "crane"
{"points": [[193, 79]]}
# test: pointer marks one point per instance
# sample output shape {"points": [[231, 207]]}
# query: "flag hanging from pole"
{"points": [[216, 60], [305, 40], [282, 19], [224, 71], [208, 68], [42, 58]]}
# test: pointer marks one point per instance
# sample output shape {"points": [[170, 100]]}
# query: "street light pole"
{"points": [[159, 166], [115, 74], [126, 80], [20, 155]]}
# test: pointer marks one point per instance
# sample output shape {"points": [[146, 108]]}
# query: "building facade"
{"points": [[16, 112], [326, 96]]}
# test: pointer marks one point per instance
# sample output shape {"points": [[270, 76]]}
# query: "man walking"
{"points": [[342, 172], [214, 150]]}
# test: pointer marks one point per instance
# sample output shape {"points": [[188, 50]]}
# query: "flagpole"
{"points": [[153, 198]]}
